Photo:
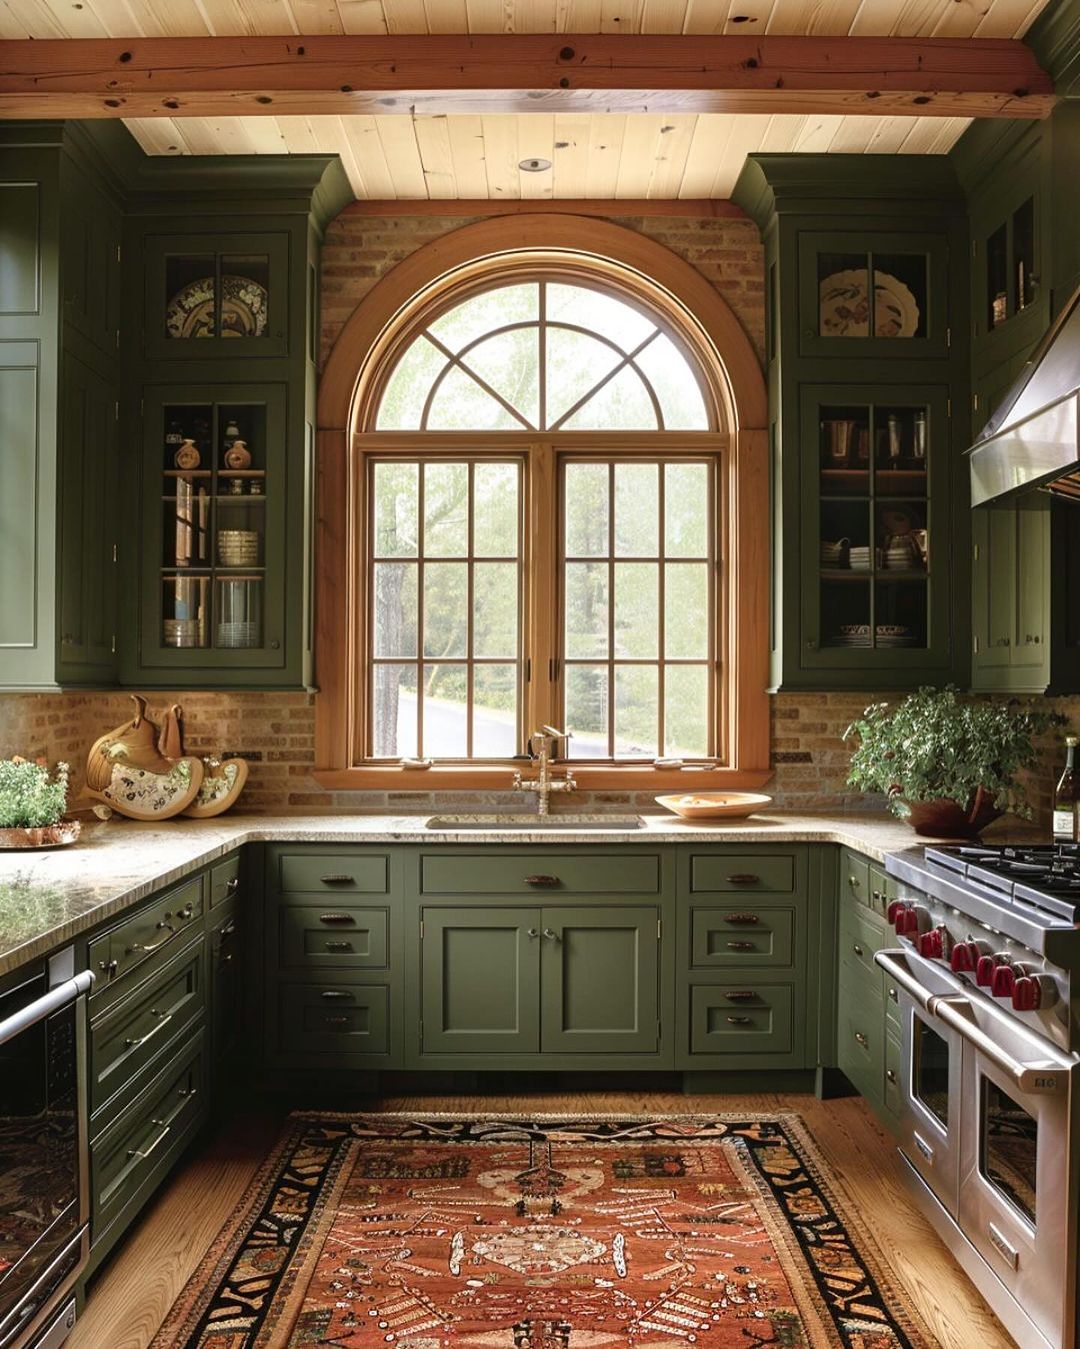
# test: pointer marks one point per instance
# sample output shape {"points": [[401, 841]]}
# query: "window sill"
{"points": [[491, 778]]}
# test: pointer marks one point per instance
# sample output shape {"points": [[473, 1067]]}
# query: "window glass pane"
{"points": [[637, 510], [403, 401], [446, 717], [446, 510], [495, 609], [636, 701], [509, 362], [446, 609], [586, 610], [622, 404], [393, 711], [478, 315], [587, 711], [575, 363], [686, 610], [686, 510], [673, 382], [686, 711], [462, 405], [395, 609], [637, 600], [612, 318], [585, 487], [495, 695], [396, 497], [496, 509]]}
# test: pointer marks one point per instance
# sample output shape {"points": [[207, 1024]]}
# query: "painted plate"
{"points": [[244, 306], [844, 305], [714, 805]]}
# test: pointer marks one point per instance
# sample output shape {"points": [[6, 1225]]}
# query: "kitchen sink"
{"points": [[524, 822]]}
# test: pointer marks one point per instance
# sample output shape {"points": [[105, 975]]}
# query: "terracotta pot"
{"points": [[46, 836], [949, 819]]}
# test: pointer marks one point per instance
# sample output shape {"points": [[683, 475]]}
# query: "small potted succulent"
{"points": [[32, 805], [948, 765]]}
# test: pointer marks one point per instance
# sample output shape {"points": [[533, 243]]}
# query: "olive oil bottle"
{"points": [[1067, 797]]}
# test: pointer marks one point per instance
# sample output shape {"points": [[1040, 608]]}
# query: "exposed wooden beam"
{"points": [[511, 73], [609, 208]]}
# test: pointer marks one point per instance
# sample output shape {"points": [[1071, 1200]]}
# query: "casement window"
{"points": [[537, 512]]}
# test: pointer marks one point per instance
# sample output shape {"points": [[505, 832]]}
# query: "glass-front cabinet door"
{"points": [[875, 485], [214, 484], [866, 294]]}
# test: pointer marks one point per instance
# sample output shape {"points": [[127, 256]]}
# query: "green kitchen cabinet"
{"points": [[1011, 596]]}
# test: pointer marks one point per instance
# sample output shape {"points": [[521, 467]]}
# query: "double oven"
{"points": [[990, 1139], [44, 1188]]}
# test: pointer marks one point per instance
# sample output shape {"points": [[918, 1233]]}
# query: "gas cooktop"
{"points": [[1043, 875]]}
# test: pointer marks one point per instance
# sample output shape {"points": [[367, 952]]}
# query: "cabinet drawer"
{"points": [[131, 1158], [329, 937], [861, 934], [854, 878], [523, 873], [740, 937], [860, 1047], [882, 890], [224, 880], [357, 873], [741, 1019], [891, 998], [131, 1035], [161, 926], [344, 1019], [753, 873]]}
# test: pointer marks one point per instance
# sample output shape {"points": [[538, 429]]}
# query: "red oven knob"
{"points": [[984, 970], [935, 944], [912, 920], [896, 907], [964, 957], [1033, 992], [1003, 981]]}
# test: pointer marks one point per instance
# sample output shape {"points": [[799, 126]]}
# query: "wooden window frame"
{"points": [[476, 257]]}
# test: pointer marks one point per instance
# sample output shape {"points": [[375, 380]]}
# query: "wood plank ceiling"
{"points": [[601, 156]]}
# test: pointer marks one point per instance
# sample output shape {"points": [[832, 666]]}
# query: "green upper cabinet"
{"points": [[867, 364]]}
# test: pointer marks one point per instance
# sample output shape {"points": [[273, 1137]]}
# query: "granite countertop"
{"points": [[47, 898]]}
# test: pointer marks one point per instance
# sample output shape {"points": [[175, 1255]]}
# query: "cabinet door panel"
{"points": [[1031, 632], [599, 980], [480, 981]]}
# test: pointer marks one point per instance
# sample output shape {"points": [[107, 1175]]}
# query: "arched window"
{"points": [[537, 526]]}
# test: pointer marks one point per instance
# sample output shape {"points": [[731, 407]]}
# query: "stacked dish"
{"points": [[180, 632], [238, 634], [859, 558], [238, 547], [852, 634], [894, 634]]}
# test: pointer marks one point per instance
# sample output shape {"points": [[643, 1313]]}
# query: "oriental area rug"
{"points": [[418, 1232]]}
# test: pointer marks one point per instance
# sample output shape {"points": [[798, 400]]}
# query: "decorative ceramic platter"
{"points": [[244, 303], [714, 805], [844, 305]]}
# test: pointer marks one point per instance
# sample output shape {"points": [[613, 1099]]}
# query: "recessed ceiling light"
{"points": [[535, 165]]}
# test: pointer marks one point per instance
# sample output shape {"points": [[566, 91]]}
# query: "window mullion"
{"points": [[541, 564]]}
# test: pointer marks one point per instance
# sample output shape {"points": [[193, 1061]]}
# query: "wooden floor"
{"points": [[146, 1273]]}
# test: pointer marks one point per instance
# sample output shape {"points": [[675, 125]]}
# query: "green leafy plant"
{"points": [[936, 745], [29, 798]]}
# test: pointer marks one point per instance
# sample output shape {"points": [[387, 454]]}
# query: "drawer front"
{"points": [[732, 936], [131, 1035], [893, 1053], [327, 937], [741, 1019], [224, 880], [748, 873], [360, 873], [854, 877], [343, 1019], [860, 1050], [162, 926], [882, 890], [136, 1153], [891, 997], [534, 873], [861, 934]]}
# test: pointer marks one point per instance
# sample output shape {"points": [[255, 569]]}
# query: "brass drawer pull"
{"points": [[339, 946], [186, 913], [335, 995], [228, 929], [890, 1076], [134, 1152], [545, 882], [335, 1020], [143, 1039], [550, 935], [743, 878], [861, 1038], [857, 949], [532, 932], [741, 946], [188, 1092], [739, 1021], [853, 881], [140, 948], [745, 918], [336, 918], [875, 895], [894, 996], [740, 995], [108, 967], [232, 885], [337, 879]]}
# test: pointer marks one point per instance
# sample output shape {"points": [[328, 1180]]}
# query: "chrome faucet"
{"points": [[541, 747]]}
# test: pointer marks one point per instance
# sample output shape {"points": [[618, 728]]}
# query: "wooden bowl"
{"points": [[714, 805]]}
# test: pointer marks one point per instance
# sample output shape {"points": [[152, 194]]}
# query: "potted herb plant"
{"points": [[948, 765], [32, 805]]}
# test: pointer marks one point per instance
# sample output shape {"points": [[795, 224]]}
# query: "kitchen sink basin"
{"points": [[524, 823]]}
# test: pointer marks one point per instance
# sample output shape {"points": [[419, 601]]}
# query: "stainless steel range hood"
{"points": [[1032, 438]]}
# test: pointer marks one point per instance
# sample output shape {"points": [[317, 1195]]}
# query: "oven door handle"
{"points": [[1043, 1077], [61, 996], [895, 965]]}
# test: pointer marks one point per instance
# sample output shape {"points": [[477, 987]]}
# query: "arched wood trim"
{"points": [[702, 316]]}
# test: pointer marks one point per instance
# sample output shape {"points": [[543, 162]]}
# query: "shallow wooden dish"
{"points": [[714, 805]]}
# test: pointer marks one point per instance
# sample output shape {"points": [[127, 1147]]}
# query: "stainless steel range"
{"points": [[986, 971]]}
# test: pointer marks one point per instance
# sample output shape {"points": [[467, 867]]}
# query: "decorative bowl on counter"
{"points": [[43, 836], [714, 805]]}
